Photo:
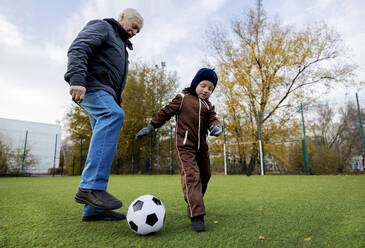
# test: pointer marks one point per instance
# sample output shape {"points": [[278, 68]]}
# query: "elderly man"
{"points": [[97, 72]]}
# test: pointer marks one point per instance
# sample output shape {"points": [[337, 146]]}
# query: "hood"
{"points": [[123, 34]]}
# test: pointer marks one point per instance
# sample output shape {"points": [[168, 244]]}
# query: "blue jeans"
{"points": [[106, 119]]}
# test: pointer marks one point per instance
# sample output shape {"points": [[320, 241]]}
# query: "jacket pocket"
{"points": [[186, 137]]}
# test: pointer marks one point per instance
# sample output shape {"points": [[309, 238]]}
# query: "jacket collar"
{"points": [[188, 90], [121, 32]]}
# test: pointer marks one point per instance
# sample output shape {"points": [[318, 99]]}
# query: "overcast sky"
{"points": [[35, 35]]}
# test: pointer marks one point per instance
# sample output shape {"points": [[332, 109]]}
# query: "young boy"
{"points": [[195, 115]]}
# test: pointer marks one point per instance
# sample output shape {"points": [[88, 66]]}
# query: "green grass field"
{"points": [[287, 211]]}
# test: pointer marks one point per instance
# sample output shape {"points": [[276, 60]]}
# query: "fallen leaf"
{"points": [[260, 208], [261, 237], [215, 222], [308, 239]]}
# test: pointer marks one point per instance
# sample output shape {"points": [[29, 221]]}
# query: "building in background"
{"points": [[42, 140], [357, 163]]}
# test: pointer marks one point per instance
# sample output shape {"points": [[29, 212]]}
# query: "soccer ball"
{"points": [[146, 214]]}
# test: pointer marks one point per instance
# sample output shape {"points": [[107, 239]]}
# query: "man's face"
{"points": [[131, 25], [204, 89]]}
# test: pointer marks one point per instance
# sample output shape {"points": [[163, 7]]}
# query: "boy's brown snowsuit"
{"points": [[193, 118]]}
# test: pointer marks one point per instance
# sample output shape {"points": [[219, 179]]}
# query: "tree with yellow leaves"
{"points": [[265, 70], [148, 88]]}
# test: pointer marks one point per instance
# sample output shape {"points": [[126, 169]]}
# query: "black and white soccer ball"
{"points": [[146, 214]]}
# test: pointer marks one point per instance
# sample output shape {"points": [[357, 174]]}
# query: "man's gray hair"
{"points": [[130, 13]]}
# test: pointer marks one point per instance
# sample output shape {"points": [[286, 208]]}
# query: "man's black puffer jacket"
{"points": [[98, 59]]}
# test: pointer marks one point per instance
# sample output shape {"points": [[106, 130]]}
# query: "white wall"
{"points": [[356, 162], [41, 141]]}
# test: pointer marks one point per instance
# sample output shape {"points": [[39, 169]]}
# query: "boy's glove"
{"points": [[145, 131], [215, 130]]}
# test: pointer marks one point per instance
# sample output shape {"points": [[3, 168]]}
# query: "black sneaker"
{"points": [[197, 223], [107, 215], [99, 199]]}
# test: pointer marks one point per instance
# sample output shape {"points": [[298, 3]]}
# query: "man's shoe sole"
{"points": [[82, 201], [108, 217]]}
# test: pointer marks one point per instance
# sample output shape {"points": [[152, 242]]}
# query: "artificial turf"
{"points": [[255, 211]]}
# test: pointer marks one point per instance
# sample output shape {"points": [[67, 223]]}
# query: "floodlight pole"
{"points": [[224, 148], [361, 125]]}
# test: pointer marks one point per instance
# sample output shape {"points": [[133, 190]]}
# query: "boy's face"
{"points": [[204, 89]]}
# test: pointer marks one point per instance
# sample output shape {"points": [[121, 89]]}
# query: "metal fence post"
{"points": [[361, 125], [132, 159], [224, 148], [170, 150], [261, 145], [150, 157], [25, 151], [304, 144], [73, 165], [158, 149], [54, 156], [63, 161], [80, 153]]}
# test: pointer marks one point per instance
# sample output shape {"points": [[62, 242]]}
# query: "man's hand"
{"points": [[78, 93], [144, 131], [215, 130]]}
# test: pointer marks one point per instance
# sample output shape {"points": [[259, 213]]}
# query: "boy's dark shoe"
{"points": [[99, 199], [197, 223], [107, 215]]}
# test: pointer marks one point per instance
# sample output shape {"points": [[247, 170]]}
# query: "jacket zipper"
{"points": [[200, 108], [186, 136]]}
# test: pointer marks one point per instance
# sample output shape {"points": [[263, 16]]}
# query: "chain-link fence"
{"points": [[324, 138], [154, 154]]}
